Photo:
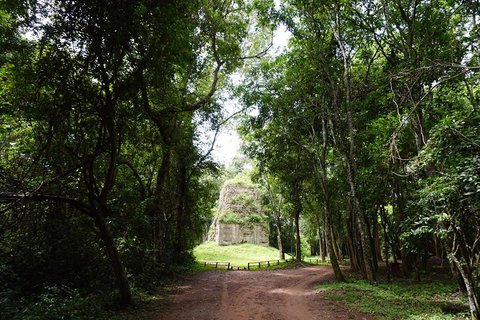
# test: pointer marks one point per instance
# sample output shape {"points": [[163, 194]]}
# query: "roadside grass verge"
{"points": [[401, 299], [238, 255], [315, 260]]}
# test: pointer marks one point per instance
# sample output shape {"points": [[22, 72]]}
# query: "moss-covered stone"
{"points": [[239, 217]]}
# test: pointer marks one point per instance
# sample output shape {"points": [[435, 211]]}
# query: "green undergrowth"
{"points": [[55, 303], [238, 255], [315, 260], [401, 299]]}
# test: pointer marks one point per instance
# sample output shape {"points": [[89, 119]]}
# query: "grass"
{"points": [[238, 255], [402, 299], [315, 260]]}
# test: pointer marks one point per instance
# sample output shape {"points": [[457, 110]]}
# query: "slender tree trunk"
{"points": [[471, 286], [179, 246], [276, 216], [321, 243], [455, 272], [158, 212], [298, 248], [351, 162], [281, 251], [351, 254], [438, 250], [335, 246], [355, 263], [407, 265], [418, 124], [376, 239], [386, 241], [475, 27], [362, 228], [325, 243], [326, 203], [333, 257], [114, 257]]}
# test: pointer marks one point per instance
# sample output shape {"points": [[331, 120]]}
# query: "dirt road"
{"points": [[283, 294]]}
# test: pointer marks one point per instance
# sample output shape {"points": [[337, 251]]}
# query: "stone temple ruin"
{"points": [[239, 217]]}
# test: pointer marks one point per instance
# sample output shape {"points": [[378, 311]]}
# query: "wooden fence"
{"points": [[216, 264], [251, 265], [267, 263]]}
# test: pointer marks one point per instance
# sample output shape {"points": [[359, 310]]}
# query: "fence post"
{"points": [[216, 265], [259, 262], [228, 266], [268, 263], [248, 266]]}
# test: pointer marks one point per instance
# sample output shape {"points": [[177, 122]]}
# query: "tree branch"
{"points": [[13, 197]]}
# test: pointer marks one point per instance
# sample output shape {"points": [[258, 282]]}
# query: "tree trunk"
{"points": [[326, 202], [281, 252], [276, 216], [376, 239], [362, 228], [438, 249], [386, 242], [321, 244], [114, 257], [418, 126], [471, 286], [355, 262], [298, 248], [475, 27], [336, 248], [351, 162], [180, 243], [333, 257]]}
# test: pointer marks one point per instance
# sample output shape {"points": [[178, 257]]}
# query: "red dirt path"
{"points": [[265, 295]]}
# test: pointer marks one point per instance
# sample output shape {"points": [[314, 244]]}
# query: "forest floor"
{"points": [[279, 294]]}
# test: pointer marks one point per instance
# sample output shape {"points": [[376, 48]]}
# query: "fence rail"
{"points": [[251, 265], [217, 264], [267, 263]]}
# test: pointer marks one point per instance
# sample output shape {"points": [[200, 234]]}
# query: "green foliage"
{"points": [[248, 219], [239, 180], [255, 218], [399, 300], [103, 178], [230, 217], [245, 204], [371, 112], [55, 304]]}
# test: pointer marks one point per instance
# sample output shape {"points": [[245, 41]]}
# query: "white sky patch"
{"points": [[228, 141], [280, 39], [227, 146]]}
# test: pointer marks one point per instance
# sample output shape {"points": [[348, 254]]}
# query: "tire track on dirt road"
{"points": [[266, 295]]}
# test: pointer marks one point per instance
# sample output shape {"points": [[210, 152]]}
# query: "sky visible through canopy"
{"points": [[227, 145]]}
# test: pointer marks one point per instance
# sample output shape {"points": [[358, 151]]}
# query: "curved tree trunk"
{"points": [[471, 286], [114, 257]]}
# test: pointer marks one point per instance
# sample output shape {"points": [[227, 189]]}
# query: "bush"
{"points": [[230, 217], [54, 304]]}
